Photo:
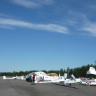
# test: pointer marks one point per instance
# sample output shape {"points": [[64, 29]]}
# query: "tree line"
{"points": [[78, 72]]}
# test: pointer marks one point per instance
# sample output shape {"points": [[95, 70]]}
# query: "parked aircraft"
{"points": [[89, 82], [14, 77], [91, 71], [4, 77], [69, 81], [41, 77]]}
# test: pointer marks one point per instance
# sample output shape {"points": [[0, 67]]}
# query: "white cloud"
{"points": [[93, 6], [26, 3], [45, 1], [32, 3], [81, 23], [4, 15], [46, 27], [90, 28], [6, 27]]}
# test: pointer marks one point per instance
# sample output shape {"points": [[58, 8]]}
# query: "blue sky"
{"points": [[47, 34]]}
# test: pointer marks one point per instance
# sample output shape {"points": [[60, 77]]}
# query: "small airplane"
{"points": [[91, 71], [14, 77], [89, 82], [4, 77], [41, 77], [68, 81]]}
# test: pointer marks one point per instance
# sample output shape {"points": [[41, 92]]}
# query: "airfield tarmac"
{"points": [[23, 88]]}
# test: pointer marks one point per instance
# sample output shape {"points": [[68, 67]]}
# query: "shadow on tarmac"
{"points": [[69, 86]]}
